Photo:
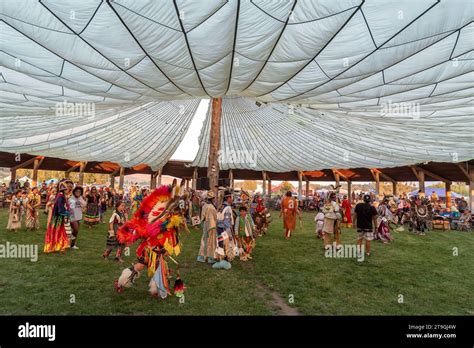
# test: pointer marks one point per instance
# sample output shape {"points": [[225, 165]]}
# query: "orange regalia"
{"points": [[289, 210], [156, 224]]}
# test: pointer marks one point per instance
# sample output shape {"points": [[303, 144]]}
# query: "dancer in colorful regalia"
{"points": [[91, 217], [14, 219], [346, 212], [32, 210], [226, 243], [261, 216], [156, 224], [421, 211], [56, 236], [207, 249], [245, 234], [332, 218], [289, 211]]}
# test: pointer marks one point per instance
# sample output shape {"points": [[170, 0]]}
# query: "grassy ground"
{"points": [[284, 277]]}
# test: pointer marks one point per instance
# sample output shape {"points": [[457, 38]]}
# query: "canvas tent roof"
{"points": [[144, 64]]}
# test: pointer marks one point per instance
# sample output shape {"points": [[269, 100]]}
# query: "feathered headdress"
{"points": [[159, 218]]}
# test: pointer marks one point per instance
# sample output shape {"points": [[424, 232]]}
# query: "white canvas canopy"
{"points": [[339, 83]]}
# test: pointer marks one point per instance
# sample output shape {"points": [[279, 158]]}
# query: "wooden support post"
{"points": [[269, 188], [471, 190], [112, 177], [421, 181], [349, 190], [214, 144], [300, 186], [13, 174], [187, 183], [160, 171], [154, 176], [264, 181], [394, 188], [377, 182], [37, 164], [337, 177], [448, 195], [24, 164], [121, 178], [195, 176], [81, 173], [231, 178], [307, 188]]}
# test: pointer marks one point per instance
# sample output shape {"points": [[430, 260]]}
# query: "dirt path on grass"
{"points": [[276, 301]]}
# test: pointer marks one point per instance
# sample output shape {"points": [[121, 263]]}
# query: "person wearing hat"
{"points": [[207, 250], [77, 204], [366, 216]]}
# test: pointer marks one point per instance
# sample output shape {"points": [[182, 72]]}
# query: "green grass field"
{"points": [[284, 277]]}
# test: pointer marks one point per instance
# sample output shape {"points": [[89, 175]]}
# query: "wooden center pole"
{"points": [[214, 144]]}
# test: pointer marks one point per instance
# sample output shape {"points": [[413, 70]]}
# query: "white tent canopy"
{"points": [[148, 133], [279, 138], [374, 83]]}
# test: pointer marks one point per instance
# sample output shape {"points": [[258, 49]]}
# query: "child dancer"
{"points": [[116, 221], [14, 219], [245, 231], [319, 218], [102, 207]]}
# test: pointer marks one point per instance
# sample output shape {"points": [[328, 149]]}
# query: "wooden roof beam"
{"points": [[77, 165], [385, 176], [338, 172], [415, 171], [115, 172], [26, 163], [463, 167], [433, 175], [375, 174]]}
